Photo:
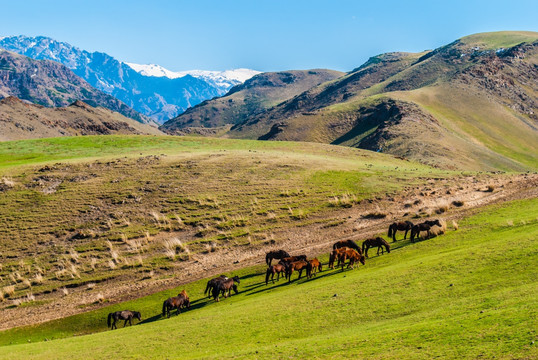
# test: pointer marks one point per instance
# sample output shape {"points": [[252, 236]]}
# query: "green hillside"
{"points": [[470, 293]]}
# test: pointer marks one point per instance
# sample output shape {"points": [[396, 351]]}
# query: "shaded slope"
{"points": [[19, 120], [253, 97], [49, 83]]}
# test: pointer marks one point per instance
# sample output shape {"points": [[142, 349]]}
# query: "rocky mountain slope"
{"points": [[471, 104], [256, 95], [21, 120], [159, 97], [49, 83]]}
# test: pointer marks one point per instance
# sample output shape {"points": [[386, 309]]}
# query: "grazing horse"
{"points": [[290, 259], [347, 243], [278, 254], [126, 315], [400, 225], [275, 269], [226, 286], [352, 255], [298, 266], [313, 266], [373, 242], [335, 254], [425, 226], [176, 302], [212, 283]]}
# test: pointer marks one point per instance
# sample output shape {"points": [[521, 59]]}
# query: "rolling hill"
{"points": [[20, 120], [471, 104], [51, 84], [256, 95]]}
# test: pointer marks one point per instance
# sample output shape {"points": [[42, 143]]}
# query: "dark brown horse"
{"points": [[176, 302], [290, 259], [425, 226], [353, 257], [226, 286], [126, 315], [212, 283], [375, 242], [296, 266], [313, 266], [274, 269], [278, 254], [347, 243], [335, 255], [401, 226]]}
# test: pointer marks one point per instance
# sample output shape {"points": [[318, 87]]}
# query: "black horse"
{"points": [[213, 283], [400, 225], [425, 226], [226, 286], [375, 242], [277, 254], [176, 302], [347, 243], [126, 315]]}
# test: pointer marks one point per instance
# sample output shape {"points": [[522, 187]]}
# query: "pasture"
{"points": [[470, 293]]}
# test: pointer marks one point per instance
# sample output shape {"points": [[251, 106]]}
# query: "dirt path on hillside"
{"points": [[314, 239]]}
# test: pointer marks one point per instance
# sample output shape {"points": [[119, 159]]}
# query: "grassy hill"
{"points": [[467, 294], [471, 104], [105, 210]]}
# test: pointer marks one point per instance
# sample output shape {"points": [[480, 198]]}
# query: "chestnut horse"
{"points": [[274, 269], [126, 315], [177, 302], [425, 226], [226, 286], [335, 254], [298, 266], [313, 266], [278, 254], [400, 225], [347, 243], [373, 242], [352, 255]]}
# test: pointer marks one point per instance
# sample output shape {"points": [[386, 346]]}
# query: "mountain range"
{"points": [[471, 104], [149, 89]]}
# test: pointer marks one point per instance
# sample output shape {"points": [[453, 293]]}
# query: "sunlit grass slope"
{"points": [[469, 293]]}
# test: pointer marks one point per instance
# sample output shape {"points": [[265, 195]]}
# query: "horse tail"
{"points": [[267, 258], [164, 307], [335, 245], [390, 231], [363, 246], [206, 288], [109, 320]]}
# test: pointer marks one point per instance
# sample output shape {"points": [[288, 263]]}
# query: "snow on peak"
{"points": [[219, 78]]}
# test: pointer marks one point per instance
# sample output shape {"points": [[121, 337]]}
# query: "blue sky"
{"points": [[262, 35]]}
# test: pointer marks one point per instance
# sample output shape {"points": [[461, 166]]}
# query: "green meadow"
{"points": [[470, 293]]}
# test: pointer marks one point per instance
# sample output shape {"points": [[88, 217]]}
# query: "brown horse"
{"points": [[274, 269], [212, 283], [226, 286], [313, 266], [425, 226], [347, 243], [290, 259], [400, 225], [176, 302], [126, 315], [373, 242], [335, 255], [278, 254], [352, 255], [296, 266]]}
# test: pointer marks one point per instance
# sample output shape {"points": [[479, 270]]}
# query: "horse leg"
{"points": [[114, 324], [405, 235], [394, 235], [125, 322]]}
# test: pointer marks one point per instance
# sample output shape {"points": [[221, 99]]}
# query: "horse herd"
{"points": [[342, 251]]}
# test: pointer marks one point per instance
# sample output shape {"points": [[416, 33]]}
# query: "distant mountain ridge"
{"points": [[160, 98], [49, 83]]}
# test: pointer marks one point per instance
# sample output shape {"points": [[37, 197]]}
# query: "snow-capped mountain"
{"points": [[225, 79], [159, 96]]}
